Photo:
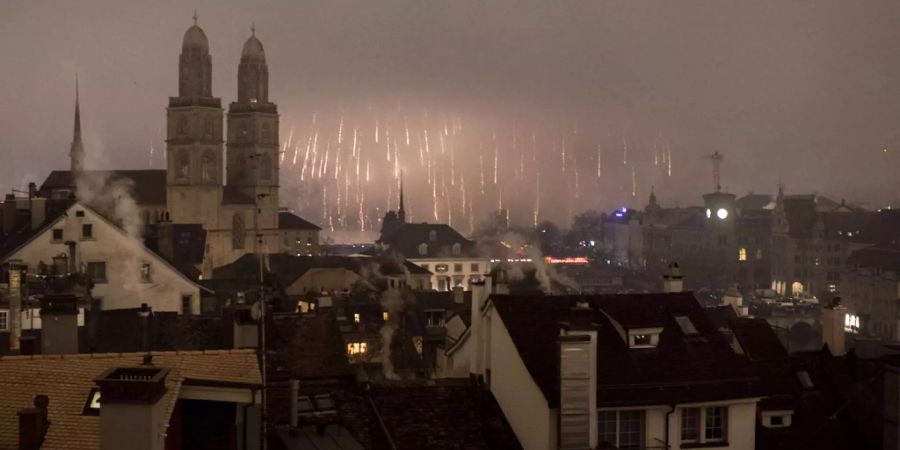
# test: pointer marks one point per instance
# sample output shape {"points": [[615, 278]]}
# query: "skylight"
{"points": [[805, 380], [687, 327], [92, 405]]}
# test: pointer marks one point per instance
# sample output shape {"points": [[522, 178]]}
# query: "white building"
{"points": [[125, 273], [635, 371]]}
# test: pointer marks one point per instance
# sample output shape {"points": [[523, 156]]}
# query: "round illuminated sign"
{"points": [[722, 213], [708, 213]]}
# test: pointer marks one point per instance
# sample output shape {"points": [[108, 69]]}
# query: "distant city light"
{"points": [[570, 260]]}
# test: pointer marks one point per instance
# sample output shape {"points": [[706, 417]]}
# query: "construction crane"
{"points": [[716, 159]]}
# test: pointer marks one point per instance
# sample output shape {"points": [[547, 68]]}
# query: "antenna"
{"points": [[716, 159]]}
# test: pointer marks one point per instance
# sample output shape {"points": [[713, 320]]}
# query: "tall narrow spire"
{"points": [[401, 214], [76, 151]]}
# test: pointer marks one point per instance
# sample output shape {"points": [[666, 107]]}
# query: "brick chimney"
{"points": [[131, 414], [673, 281], [33, 424], [833, 333], [59, 324], [578, 380]]}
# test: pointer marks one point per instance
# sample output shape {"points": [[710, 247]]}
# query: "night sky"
{"points": [[806, 92]]}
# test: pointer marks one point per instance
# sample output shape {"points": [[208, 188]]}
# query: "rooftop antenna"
{"points": [[716, 159]]}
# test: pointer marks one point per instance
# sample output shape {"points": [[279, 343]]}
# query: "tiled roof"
{"points": [[67, 380], [290, 221], [406, 240], [681, 369], [148, 186], [882, 257], [444, 416]]}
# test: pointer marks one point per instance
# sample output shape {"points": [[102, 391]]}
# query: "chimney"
{"points": [[578, 380], [458, 295], [15, 269], [9, 213], [33, 424], [481, 290], [131, 414], [294, 410], [833, 333], [59, 324], [246, 327], [672, 279], [735, 299], [38, 206]]}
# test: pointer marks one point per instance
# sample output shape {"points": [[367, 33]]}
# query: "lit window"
{"points": [[356, 318], [4, 320], [742, 254], [704, 425], [356, 348], [644, 337], [92, 405], [385, 316], [435, 318], [622, 429]]}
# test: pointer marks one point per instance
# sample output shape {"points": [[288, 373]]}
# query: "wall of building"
{"points": [[872, 295], [519, 397], [465, 276], [124, 258]]}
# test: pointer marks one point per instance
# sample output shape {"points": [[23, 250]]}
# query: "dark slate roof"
{"points": [[883, 257], [720, 315], [681, 369], [291, 221], [288, 268], [452, 416], [233, 196], [308, 347], [800, 211], [406, 239], [24, 233], [753, 202], [148, 187]]}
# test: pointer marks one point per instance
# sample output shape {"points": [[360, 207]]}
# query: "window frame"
{"points": [[61, 237], [4, 323], [618, 428], [190, 304], [87, 236], [89, 272], [703, 428]]}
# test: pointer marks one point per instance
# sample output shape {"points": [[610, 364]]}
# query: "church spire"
{"points": [[76, 151], [401, 214]]}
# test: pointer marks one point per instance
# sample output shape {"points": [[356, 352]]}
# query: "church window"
{"points": [[209, 127], [182, 126], [265, 167], [184, 164], [266, 132], [208, 167], [237, 232]]}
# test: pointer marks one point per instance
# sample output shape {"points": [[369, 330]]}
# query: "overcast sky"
{"points": [[805, 91]]}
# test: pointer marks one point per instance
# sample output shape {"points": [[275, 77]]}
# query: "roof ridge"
{"points": [[111, 355]]}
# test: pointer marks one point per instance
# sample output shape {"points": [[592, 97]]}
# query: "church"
{"points": [[232, 192]]}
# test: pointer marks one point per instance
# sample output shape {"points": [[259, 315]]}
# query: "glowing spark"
{"points": [[481, 163], [367, 170], [406, 128], [427, 149], [496, 150], [624, 152], [341, 131], [563, 153], [633, 182], [376, 130], [599, 160], [354, 141]]}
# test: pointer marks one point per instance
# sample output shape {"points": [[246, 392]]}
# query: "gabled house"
{"points": [[125, 273], [611, 371]]}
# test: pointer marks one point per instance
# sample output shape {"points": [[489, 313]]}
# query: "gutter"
{"points": [[668, 413]]}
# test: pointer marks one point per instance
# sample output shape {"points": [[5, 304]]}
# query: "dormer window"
{"points": [[457, 249], [644, 337], [423, 249]]}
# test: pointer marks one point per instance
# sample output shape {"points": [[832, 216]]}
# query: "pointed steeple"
{"points": [[76, 151], [401, 214]]}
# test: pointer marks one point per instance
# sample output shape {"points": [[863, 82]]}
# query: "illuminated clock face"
{"points": [[722, 213], [708, 213]]}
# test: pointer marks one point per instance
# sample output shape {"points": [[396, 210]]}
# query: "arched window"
{"points": [[208, 167], [182, 126], [265, 167], [209, 127], [423, 249], [742, 254], [184, 165], [237, 232], [456, 249]]}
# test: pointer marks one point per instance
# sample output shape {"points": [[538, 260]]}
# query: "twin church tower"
{"points": [[204, 185]]}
